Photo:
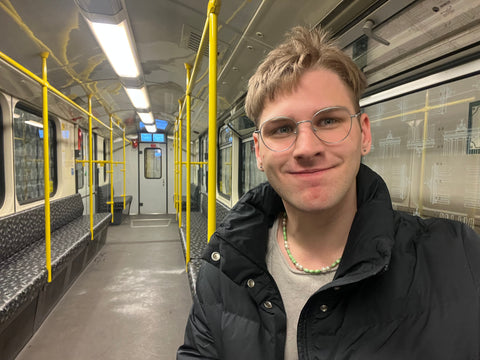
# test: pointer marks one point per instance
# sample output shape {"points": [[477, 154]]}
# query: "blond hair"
{"points": [[303, 50]]}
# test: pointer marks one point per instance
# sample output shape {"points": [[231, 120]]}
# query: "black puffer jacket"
{"points": [[406, 288]]}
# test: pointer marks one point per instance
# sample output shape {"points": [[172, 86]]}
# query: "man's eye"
{"points": [[284, 130], [328, 121]]}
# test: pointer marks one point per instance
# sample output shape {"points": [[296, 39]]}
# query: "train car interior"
{"points": [[125, 143]]}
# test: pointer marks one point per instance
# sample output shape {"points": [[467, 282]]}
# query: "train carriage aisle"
{"points": [[131, 302]]}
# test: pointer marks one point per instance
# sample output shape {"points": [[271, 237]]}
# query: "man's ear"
{"points": [[257, 151], [366, 134]]}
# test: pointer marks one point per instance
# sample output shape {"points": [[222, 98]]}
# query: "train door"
{"points": [[81, 169], [152, 158]]}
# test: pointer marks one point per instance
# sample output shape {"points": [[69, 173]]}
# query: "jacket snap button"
{"points": [[267, 304], [324, 308], [336, 288], [215, 256], [250, 283]]}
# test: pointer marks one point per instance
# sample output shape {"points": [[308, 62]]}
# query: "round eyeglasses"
{"points": [[330, 125]]}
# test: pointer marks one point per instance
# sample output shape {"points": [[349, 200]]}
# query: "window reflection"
{"points": [[225, 161], [153, 163], [250, 175], [28, 154], [425, 147]]}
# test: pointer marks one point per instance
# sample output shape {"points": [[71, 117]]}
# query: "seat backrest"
{"points": [[103, 197], [25, 227]]}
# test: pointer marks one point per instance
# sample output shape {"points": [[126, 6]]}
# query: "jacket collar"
{"points": [[244, 232]]}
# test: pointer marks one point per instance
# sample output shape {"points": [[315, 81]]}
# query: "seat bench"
{"points": [[26, 297], [198, 235], [103, 199]]}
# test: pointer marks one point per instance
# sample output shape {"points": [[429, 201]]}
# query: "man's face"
{"points": [[312, 176]]}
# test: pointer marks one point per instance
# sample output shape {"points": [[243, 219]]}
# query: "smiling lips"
{"points": [[309, 171]]}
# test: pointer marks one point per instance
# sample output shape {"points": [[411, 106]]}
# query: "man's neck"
{"points": [[318, 239]]}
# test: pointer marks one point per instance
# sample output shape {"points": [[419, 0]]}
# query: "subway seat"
{"points": [[26, 297], [103, 198], [198, 235]]}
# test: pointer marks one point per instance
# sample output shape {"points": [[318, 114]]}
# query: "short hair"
{"points": [[302, 50]]}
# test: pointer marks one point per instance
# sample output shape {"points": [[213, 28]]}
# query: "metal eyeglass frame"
{"points": [[314, 130]]}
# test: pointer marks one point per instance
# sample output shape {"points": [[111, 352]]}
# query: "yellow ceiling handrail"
{"points": [[45, 83]]}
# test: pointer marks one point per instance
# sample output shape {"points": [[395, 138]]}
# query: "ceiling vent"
{"points": [[191, 40]]}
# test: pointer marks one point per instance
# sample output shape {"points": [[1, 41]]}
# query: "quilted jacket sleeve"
{"points": [[198, 342], [471, 243]]}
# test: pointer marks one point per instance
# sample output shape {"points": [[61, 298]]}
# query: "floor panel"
{"points": [[131, 302]]}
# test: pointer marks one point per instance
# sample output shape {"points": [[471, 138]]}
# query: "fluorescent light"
{"points": [[138, 97], [118, 48], [151, 128], [34, 123], [147, 118]]}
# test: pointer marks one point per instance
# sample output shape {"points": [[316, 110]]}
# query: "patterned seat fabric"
{"points": [[103, 197], [22, 248]]}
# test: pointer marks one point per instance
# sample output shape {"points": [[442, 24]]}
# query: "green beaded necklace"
{"points": [[295, 262]]}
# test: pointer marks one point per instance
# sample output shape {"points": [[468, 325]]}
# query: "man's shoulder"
{"points": [[436, 235], [431, 225]]}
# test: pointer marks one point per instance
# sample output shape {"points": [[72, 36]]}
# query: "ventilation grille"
{"points": [[191, 40]]}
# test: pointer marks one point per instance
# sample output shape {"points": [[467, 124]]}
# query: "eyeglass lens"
{"points": [[329, 125]]}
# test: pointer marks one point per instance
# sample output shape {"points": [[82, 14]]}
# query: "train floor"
{"points": [[131, 302]]}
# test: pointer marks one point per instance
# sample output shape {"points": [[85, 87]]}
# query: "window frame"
{"points": [[145, 158], [53, 160], [222, 145], [2, 160]]}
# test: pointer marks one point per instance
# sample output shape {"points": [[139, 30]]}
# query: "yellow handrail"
{"points": [[90, 162], [111, 169], [180, 155], [213, 10], [124, 175], [43, 81], [196, 63], [46, 167], [100, 162], [201, 163], [175, 171], [50, 87], [188, 99], [210, 24]]}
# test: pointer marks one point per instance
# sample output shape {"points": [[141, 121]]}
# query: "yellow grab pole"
{"points": [[90, 163], [175, 168], [213, 9], [46, 167], [188, 201], [124, 171], [111, 168], [180, 155], [42, 82], [424, 148]]}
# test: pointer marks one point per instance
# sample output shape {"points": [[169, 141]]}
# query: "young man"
{"points": [[316, 264]]}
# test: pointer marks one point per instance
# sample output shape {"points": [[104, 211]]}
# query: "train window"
{"points": [[225, 161], [105, 155], [426, 146], [28, 155], [203, 173], [153, 163], [250, 176], [80, 167], [2, 164]]}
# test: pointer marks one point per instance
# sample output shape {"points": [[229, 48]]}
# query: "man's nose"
{"points": [[306, 143]]}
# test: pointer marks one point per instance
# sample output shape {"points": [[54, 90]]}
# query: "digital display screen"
{"points": [[158, 137], [145, 137]]}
